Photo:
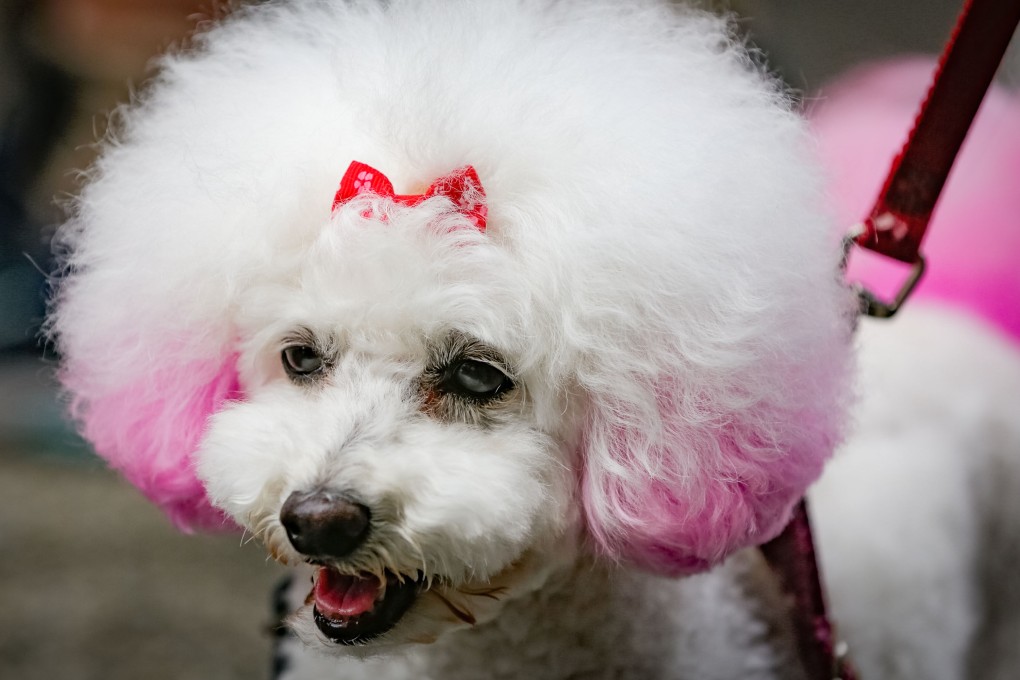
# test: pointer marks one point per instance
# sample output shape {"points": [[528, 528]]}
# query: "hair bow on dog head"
{"points": [[461, 186]]}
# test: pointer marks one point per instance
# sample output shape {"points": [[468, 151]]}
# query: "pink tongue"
{"points": [[339, 595]]}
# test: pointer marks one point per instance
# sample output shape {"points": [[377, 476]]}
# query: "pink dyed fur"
{"points": [[718, 485], [973, 242], [150, 430], [670, 534]]}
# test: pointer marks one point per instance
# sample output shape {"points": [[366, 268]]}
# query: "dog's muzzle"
{"points": [[325, 527]]}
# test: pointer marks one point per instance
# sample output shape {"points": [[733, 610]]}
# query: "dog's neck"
{"points": [[593, 621]]}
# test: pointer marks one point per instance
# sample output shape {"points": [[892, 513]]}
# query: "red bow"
{"points": [[461, 186]]}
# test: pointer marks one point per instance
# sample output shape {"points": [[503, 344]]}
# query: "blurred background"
{"points": [[94, 583]]}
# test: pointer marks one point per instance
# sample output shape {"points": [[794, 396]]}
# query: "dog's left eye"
{"points": [[475, 380], [301, 360]]}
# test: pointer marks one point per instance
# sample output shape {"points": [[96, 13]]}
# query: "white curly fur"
{"points": [[658, 277]]}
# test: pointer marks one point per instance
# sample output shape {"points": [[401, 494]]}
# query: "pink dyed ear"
{"points": [[150, 430], [683, 504]]}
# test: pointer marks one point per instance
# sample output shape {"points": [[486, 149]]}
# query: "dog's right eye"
{"points": [[301, 360], [476, 380]]}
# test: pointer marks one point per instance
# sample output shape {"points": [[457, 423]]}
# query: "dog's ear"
{"points": [[149, 429], [674, 481]]}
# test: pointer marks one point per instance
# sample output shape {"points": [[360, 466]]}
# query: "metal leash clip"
{"points": [[870, 304]]}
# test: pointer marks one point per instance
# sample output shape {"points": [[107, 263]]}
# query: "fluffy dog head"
{"points": [[642, 356]]}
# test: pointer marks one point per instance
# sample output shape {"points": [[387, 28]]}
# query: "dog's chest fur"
{"points": [[593, 623]]}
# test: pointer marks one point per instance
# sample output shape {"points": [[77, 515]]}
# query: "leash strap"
{"points": [[895, 228], [897, 223], [791, 555]]}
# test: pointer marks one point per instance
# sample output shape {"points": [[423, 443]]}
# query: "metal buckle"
{"points": [[870, 304]]}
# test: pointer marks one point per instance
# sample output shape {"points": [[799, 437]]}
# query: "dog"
{"points": [[573, 325]]}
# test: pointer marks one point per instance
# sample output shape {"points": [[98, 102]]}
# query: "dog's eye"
{"points": [[475, 380], [301, 360]]}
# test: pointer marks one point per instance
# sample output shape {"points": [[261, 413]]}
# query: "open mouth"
{"points": [[352, 610]]}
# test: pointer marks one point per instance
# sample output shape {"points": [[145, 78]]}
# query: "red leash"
{"points": [[791, 555], [895, 228], [897, 223]]}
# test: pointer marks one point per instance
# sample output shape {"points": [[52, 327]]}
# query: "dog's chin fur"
{"points": [[445, 607]]}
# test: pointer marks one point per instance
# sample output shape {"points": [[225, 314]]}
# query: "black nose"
{"points": [[324, 523]]}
